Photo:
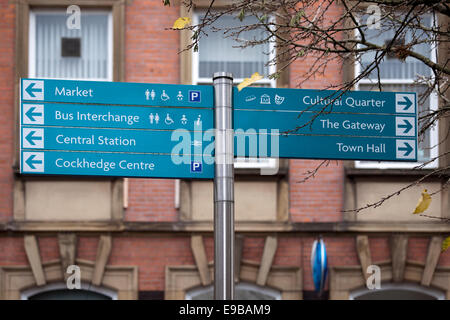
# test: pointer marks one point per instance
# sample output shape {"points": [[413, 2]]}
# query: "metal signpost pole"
{"points": [[223, 188]]}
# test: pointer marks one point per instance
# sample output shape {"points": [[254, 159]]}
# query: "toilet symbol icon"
{"points": [[183, 119]]}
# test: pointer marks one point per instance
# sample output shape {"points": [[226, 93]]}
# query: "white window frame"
{"points": [[56, 11], [240, 163], [255, 163], [434, 131], [196, 79]]}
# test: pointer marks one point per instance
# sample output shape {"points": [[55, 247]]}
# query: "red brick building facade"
{"points": [[145, 238]]}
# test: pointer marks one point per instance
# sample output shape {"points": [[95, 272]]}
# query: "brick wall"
{"points": [[7, 23], [12, 251], [151, 55], [151, 255], [320, 198]]}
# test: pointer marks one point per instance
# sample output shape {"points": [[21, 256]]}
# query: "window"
{"points": [[46, 47], [397, 75], [217, 52], [55, 51]]}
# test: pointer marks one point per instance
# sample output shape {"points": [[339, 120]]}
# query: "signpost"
{"points": [[320, 124], [115, 129], [160, 131]]}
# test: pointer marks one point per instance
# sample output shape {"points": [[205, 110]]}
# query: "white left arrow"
{"points": [[33, 138], [33, 90], [33, 162], [33, 113]]}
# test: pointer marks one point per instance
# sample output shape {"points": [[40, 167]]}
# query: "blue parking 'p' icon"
{"points": [[194, 96], [196, 166]]}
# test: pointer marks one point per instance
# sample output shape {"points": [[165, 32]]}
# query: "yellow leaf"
{"points": [[445, 244], [248, 81], [180, 23], [423, 203]]}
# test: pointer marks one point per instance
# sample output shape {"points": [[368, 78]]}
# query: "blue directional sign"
{"points": [[113, 164], [108, 140], [326, 147], [79, 127], [362, 102], [342, 124], [116, 129], [112, 116], [120, 93], [325, 124]]}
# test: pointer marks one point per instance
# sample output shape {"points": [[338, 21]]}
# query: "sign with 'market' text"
{"points": [[114, 129]]}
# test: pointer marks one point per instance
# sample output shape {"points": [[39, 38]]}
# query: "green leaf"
{"points": [[292, 22], [301, 53], [196, 47], [241, 15], [274, 76], [295, 20], [166, 2]]}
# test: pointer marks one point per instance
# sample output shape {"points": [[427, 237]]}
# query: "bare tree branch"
{"points": [[311, 30]]}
